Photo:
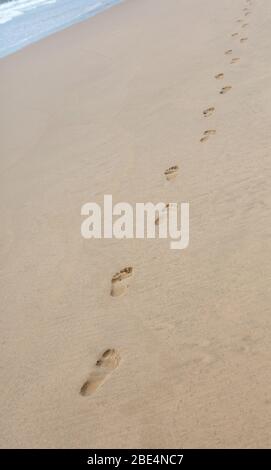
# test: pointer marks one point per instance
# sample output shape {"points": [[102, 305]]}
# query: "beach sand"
{"points": [[182, 358]]}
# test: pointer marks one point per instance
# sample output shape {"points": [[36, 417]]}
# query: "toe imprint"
{"points": [[207, 134], [162, 216], [120, 281], [209, 111], [219, 76], [109, 359], [171, 172], [225, 89], [105, 365], [210, 132]]}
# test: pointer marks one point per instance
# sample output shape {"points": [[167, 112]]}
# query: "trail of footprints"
{"points": [[120, 283], [110, 359], [208, 112]]}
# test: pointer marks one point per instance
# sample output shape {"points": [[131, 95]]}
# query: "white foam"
{"points": [[10, 10]]}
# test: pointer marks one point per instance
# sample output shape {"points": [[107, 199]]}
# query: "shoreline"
{"points": [[59, 28], [179, 359]]}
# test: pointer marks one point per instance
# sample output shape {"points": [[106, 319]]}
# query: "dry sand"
{"points": [[105, 107]]}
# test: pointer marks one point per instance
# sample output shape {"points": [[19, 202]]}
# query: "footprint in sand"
{"points": [[228, 52], [209, 111], [234, 35], [207, 134], [247, 13], [239, 21], [225, 90], [219, 76], [243, 40], [105, 365], [121, 281], [245, 25], [235, 60], [162, 216], [171, 172]]}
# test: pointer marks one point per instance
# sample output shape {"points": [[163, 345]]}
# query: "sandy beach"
{"points": [[182, 358]]}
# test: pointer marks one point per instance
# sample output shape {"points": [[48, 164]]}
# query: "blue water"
{"points": [[25, 21]]}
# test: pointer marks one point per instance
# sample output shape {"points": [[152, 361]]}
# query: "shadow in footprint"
{"points": [[209, 111], [219, 76], [235, 60], [207, 134], [105, 365], [121, 281], [163, 215], [225, 90], [171, 172]]}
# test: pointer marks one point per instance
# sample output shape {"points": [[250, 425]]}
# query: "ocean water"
{"points": [[25, 21]]}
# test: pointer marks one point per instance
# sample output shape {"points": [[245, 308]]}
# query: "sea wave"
{"points": [[23, 22], [10, 10]]}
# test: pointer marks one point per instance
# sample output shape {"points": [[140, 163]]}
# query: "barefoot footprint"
{"points": [[235, 60], [229, 51], [121, 281], [171, 172], [105, 365], [207, 134], [225, 89], [209, 111], [219, 76], [159, 219], [243, 40], [234, 35]]}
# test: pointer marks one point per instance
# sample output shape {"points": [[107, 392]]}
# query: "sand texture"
{"points": [[109, 343]]}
